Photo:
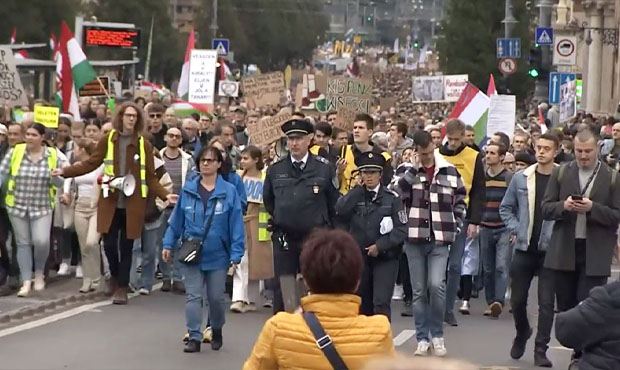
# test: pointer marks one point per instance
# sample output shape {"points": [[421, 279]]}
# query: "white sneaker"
{"points": [[397, 295], [439, 347], [39, 282], [79, 274], [24, 291], [237, 307], [144, 291], [64, 269], [423, 348]]}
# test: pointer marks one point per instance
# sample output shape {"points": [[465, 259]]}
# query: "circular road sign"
{"points": [[508, 66], [565, 47]]}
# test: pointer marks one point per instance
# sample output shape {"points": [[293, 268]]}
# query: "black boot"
{"points": [[518, 345], [192, 346], [540, 357], [216, 342]]}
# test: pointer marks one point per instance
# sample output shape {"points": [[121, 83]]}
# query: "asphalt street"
{"points": [[146, 334]]}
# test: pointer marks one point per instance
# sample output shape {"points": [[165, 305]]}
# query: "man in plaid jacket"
{"points": [[434, 193]]}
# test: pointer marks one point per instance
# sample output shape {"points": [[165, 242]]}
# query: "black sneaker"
{"points": [[178, 287], [192, 346], [518, 345], [407, 309], [167, 285], [217, 341], [540, 358], [159, 275], [450, 319]]}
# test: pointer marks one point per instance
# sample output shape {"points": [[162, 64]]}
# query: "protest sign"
{"points": [[253, 189], [312, 92], [47, 116], [229, 88], [264, 89], [351, 93], [428, 89], [11, 89], [568, 101], [502, 115], [453, 86], [344, 119], [268, 129], [94, 88], [202, 76]]}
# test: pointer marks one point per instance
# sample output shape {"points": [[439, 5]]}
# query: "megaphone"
{"points": [[126, 184]]}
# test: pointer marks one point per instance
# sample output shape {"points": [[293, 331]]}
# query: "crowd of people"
{"points": [[422, 212]]}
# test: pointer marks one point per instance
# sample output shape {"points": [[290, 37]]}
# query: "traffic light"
{"points": [[536, 62], [416, 44]]}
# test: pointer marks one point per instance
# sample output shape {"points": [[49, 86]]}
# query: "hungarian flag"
{"points": [[491, 90], [13, 36], [184, 109], [472, 108], [74, 71], [53, 42], [183, 89]]}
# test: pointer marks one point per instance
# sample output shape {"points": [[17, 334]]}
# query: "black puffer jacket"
{"points": [[593, 327]]}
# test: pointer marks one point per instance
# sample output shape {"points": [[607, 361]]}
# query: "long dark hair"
{"points": [[255, 153]]}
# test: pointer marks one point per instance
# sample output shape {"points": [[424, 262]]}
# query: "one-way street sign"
{"points": [[556, 79]]}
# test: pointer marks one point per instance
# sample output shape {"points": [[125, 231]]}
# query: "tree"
{"points": [[269, 33], [467, 42], [168, 47]]}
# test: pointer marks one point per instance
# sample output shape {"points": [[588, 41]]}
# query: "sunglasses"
{"points": [[155, 115], [207, 160]]}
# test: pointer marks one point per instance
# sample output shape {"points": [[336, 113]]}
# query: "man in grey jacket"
{"points": [[520, 211]]}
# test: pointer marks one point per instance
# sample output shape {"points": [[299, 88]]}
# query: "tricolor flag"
{"points": [[541, 121], [184, 109], [473, 109], [491, 90], [183, 89], [74, 69], [13, 36], [53, 42], [21, 54]]}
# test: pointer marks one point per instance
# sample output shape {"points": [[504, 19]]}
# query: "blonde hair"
{"points": [[417, 363]]}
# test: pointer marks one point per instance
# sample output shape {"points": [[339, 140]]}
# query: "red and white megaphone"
{"points": [[126, 184]]}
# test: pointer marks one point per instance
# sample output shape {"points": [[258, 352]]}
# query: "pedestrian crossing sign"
{"points": [[221, 45], [544, 36]]}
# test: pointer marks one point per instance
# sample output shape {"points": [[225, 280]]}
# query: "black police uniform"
{"points": [[298, 200], [361, 212]]}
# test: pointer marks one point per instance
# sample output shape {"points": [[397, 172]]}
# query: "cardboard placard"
{"points": [[387, 103], [47, 116], [352, 93], [253, 189], [202, 76], [265, 89], [94, 88], [268, 129], [312, 91], [344, 119], [11, 89]]}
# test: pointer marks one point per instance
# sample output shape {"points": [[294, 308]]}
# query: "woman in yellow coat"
{"points": [[331, 264]]}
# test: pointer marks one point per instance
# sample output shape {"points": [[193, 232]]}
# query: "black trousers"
{"points": [[572, 287], [377, 285], [523, 268], [118, 249], [286, 262], [404, 277], [7, 262]]}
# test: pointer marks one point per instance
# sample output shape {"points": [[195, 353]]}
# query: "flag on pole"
{"points": [[21, 54], [74, 69], [13, 35], [491, 90], [184, 108], [472, 108], [541, 121], [53, 42], [183, 89]]}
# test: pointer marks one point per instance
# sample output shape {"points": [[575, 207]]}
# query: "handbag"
{"points": [[324, 341], [190, 252]]}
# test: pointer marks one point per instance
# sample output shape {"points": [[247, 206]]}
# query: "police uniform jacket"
{"points": [[300, 201], [362, 217]]}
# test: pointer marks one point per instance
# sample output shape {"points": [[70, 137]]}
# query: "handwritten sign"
{"points": [[351, 93], [502, 115], [268, 129], [11, 89], [344, 119], [47, 116], [264, 89], [253, 189], [202, 76]]}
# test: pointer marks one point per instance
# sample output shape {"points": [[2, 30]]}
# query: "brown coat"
{"points": [[136, 205]]}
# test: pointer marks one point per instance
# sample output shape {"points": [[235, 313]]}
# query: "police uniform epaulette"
{"points": [[321, 159]]}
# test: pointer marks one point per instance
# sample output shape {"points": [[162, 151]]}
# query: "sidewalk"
{"points": [[60, 292]]}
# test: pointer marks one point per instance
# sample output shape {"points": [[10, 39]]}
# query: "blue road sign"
{"points": [[556, 79], [221, 45], [508, 48], [544, 36]]}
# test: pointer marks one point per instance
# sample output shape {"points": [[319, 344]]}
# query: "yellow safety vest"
{"points": [[347, 153], [465, 164], [108, 163], [263, 218], [16, 161]]}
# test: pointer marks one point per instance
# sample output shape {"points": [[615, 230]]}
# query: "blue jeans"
{"points": [[496, 253], [151, 244], [32, 234], [196, 282], [171, 270], [427, 267], [455, 260]]}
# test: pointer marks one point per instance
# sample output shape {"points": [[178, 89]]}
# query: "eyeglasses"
{"points": [[155, 115], [207, 160], [130, 115]]}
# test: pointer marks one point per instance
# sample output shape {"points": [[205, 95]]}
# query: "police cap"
{"points": [[370, 161], [297, 127]]}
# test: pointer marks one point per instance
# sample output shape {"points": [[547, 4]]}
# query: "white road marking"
{"points": [[404, 336], [92, 307]]}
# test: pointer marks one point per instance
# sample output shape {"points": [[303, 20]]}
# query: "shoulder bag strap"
{"points": [[324, 341]]}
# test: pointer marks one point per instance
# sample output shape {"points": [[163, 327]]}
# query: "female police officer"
{"points": [[377, 220]]}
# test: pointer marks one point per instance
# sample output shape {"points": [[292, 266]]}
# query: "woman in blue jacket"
{"points": [[222, 243]]}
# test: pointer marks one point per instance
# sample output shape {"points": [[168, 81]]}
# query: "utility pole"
{"points": [[541, 92], [509, 22], [213, 26], [147, 68]]}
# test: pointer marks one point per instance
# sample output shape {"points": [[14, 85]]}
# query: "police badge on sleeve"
{"points": [[402, 216]]}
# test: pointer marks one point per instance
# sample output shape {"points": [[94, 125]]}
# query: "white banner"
{"points": [[502, 115], [454, 86], [229, 88], [202, 76], [430, 89]]}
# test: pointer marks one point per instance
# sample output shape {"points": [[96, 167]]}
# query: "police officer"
{"points": [[299, 194], [377, 220]]}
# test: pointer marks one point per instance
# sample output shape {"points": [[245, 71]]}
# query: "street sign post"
{"points": [[508, 48], [221, 45], [544, 36], [508, 66], [557, 79], [565, 50]]}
